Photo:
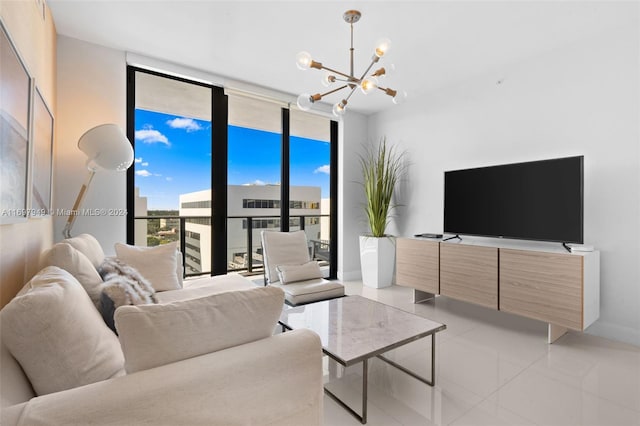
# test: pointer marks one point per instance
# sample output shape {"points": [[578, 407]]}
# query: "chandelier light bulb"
{"points": [[303, 60], [328, 80], [368, 85], [382, 47], [400, 97], [339, 108], [305, 102]]}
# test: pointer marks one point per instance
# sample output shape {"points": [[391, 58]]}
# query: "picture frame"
{"points": [[42, 157], [15, 116]]}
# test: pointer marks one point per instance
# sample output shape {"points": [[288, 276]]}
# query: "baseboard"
{"points": [[615, 332]]}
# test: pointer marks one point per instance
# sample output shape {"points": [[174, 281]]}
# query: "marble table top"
{"points": [[355, 328]]}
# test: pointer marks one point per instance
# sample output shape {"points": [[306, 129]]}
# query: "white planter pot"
{"points": [[377, 260]]}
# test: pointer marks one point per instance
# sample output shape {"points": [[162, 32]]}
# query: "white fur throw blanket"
{"points": [[124, 285]]}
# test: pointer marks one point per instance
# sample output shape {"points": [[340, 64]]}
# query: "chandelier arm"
{"points": [[344, 80], [352, 90], [373, 62], [333, 91], [350, 78]]}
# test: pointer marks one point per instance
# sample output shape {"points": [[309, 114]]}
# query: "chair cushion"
{"points": [[65, 256], [157, 264], [57, 335], [89, 246], [155, 335], [311, 291], [294, 273], [283, 248]]}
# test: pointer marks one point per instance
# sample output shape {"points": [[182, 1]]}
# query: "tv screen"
{"points": [[537, 200]]}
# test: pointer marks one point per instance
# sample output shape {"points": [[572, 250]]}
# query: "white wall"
{"points": [[353, 135], [581, 99], [92, 90]]}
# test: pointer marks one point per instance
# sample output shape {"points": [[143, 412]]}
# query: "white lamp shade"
{"points": [[107, 147]]}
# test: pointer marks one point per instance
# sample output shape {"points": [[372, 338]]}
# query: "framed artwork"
{"points": [[15, 98], [41, 164]]}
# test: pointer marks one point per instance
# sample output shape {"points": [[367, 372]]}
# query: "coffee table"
{"points": [[355, 329]]}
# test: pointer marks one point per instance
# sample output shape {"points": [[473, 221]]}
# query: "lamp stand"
{"points": [[76, 206]]}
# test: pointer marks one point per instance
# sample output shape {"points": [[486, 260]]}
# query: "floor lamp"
{"points": [[107, 148]]}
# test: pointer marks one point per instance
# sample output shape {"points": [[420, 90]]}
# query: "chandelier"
{"points": [[366, 83]]}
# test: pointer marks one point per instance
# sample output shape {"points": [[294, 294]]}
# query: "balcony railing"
{"points": [[242, 257]]}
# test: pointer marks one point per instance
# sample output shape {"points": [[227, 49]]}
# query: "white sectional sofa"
{"points": [[205, 354]]}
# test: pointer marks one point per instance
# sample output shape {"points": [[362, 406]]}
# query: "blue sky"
{"points": [[173, 157]]}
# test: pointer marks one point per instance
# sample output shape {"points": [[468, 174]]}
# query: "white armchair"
{"points": [[287, 265]]}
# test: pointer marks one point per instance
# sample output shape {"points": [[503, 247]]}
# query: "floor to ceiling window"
{"points": [[310, 181], [212, 171], [254, 177]]}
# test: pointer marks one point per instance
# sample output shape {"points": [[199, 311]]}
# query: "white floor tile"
{"points": [[492, 368], [608, 369], [546, 401], [489, 413], [474, 367]]}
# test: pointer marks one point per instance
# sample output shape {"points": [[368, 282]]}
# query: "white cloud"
{"points": [[187, 124], [169, 178], [150, 135], [139, 160], [323, 169], [145, 164], [143, 173], [256, 182]]}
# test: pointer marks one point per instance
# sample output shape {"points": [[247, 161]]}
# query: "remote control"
{"points": [[429, 235]]}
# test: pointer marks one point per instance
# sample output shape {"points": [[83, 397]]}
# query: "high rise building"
{"points": [[255, 206]]}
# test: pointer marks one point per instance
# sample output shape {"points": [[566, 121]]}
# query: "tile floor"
{"points": [[492, 368]]}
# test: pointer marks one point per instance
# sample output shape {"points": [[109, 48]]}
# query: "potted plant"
{"points": [[382, 168]]}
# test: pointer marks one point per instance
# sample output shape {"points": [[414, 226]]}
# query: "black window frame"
{"points": [[219, 174]]}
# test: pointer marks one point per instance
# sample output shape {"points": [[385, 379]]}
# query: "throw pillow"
{"points": [[123, 285], [154, 335], [56, 334], [66, 257], [157, 264], [89, 246], [294, 273]]}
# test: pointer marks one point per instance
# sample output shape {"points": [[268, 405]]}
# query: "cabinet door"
{"points": [[417, 264], [469, 273], [544, 286]]}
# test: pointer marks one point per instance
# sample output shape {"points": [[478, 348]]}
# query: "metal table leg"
{"points": [[365, 375]]}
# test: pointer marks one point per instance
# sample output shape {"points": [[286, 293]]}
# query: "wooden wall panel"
{"points": [[34, 35]]}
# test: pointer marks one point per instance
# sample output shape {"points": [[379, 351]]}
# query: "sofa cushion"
{"points": [[154, 335], [57, 335], [157, 264], [65, 256], [294, 273], [89, 246], [205, 286]]}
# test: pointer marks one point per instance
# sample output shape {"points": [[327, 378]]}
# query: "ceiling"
{"points": [[435, 43]]}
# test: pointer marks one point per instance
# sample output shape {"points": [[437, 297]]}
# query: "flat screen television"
{"points": [[537, 200]]}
